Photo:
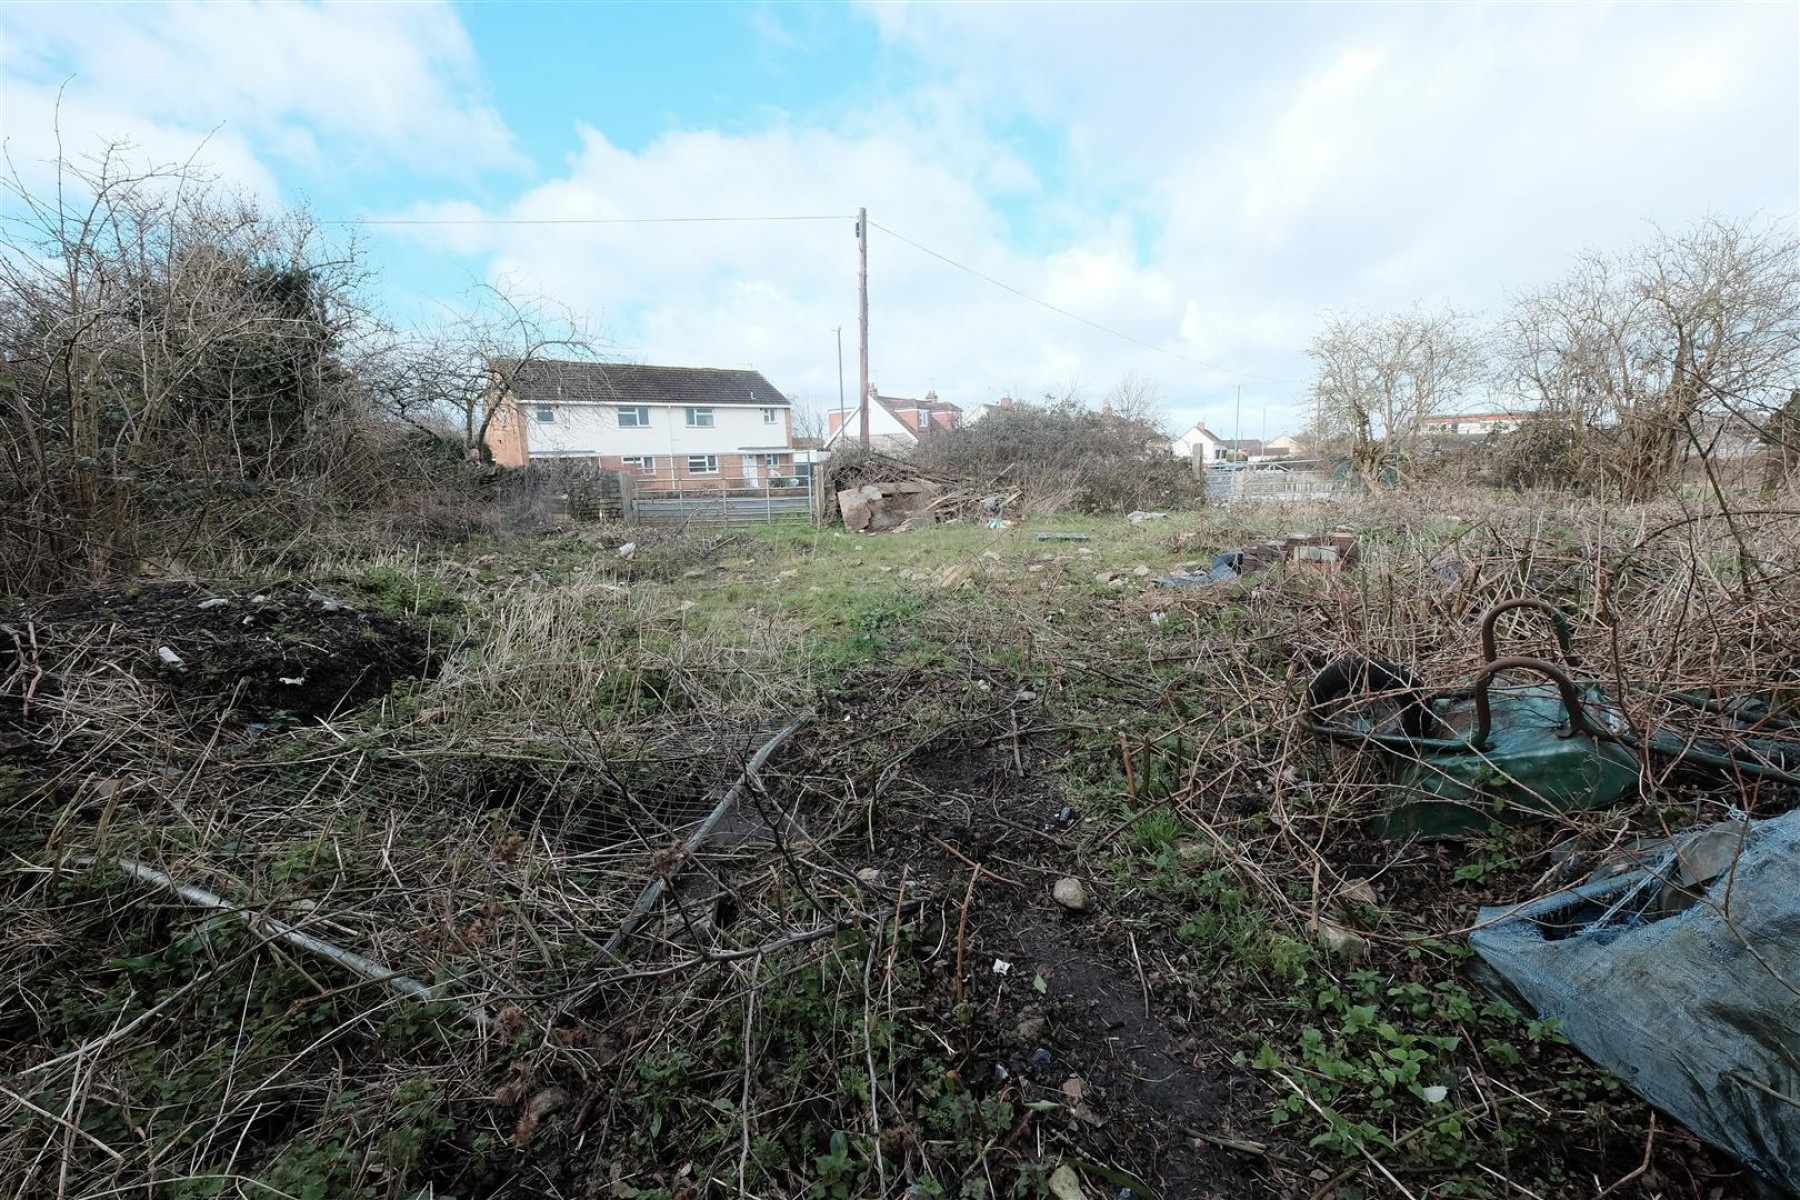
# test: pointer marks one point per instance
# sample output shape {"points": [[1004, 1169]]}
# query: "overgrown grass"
{"points": [[487, 829]]}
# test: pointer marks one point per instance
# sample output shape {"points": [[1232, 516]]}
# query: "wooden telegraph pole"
{"points": [[862, 305]]}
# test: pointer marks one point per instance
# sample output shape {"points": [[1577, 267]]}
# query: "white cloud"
{"points": [[770, 295], [330, 89], [1208, 179]]}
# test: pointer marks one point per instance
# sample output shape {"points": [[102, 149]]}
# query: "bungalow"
{"points": [[895, 422], [686, 426], [1200, 444]]}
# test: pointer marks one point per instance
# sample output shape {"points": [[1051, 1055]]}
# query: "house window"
{"points": [[771, 460], [769, 416], [700, 418], [634, 418], [642, 464], [545, 414], [703, 464]]}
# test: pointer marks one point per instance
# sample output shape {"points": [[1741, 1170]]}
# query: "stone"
{"points": [[1064, 1184], [1360, 891], [953, 576], [1338, 941], [1070, 893]]}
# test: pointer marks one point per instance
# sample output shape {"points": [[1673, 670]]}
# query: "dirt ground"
{"points": [[864, 984]]}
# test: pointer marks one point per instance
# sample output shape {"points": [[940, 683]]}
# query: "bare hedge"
{"points": [[1063, 457]]}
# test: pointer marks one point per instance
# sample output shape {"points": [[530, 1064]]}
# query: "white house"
{"points": [[1199, 443], [695, 425], [986, 410], [1473, 424], [895, 422]]}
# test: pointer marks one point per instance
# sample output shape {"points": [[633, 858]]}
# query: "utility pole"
{"points": [[862, 312], [1237, 431]]}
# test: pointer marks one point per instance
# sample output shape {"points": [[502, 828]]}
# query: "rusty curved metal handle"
{"points": [[1490, 650], [1578, 722]]}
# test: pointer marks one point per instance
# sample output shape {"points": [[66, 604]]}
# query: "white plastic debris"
{"points": [[628, 549], [215, 602], [291, 681], [170, 658], [1434, 1094], [1002, 967]]}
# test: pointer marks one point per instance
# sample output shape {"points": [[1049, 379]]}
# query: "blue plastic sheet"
{"points": [[1697, 1010]]}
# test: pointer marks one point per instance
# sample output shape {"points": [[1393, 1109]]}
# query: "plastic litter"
{"points": [[1678, 974]]}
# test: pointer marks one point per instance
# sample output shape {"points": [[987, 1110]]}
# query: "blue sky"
{"points": [[1209, 179]]}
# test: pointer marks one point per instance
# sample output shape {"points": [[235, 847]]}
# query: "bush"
{"points": [[1544, 452], [184, 375], [1063, 457]]}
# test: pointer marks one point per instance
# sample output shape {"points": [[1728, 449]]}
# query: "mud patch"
{"points": [[289, 651], [1061, 1021]]}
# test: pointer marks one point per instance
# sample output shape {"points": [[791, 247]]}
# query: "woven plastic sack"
{"points": [[1689, 992]]}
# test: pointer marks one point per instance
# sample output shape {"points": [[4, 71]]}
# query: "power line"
{"points": [[577, 220], [1007, 287], [1003, 286]]}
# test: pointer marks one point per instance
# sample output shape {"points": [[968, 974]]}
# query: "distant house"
{"points": [[696, 426], [1199, 443], [1245, 449], [981, 411], [895, 422], [1285, 446], [1473, 424]]}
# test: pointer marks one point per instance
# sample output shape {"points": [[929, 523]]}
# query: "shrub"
{"points": [[1064, 457]]}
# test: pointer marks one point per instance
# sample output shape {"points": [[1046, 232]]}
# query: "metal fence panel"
{"points": [[1232, 486], [788, 504]]}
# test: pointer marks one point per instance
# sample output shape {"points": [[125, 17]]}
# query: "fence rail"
{"points": [[768, 505], [1231, 486]]}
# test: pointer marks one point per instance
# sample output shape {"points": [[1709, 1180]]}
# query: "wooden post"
{"points": [[862, 312]]}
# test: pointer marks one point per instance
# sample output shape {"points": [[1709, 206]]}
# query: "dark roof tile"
{"points": [[548, 381]]}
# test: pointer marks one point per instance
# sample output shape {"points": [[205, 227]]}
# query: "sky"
{"points": [[1204, 181]]}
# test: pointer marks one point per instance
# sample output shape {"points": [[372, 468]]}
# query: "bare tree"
{"points": [[167, 348], [1135, 398], [808, 419], [1377, 378], [453, 378], [1651, 353]]}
